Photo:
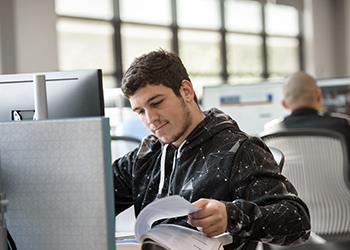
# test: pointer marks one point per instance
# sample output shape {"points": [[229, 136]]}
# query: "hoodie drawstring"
{"points": [[162, 170], [177, 155]]}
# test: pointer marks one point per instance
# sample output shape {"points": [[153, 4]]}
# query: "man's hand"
{"points": [[212, 218]]}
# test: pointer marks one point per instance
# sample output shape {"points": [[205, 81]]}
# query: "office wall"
{"points": [[327, 37], [347, 36], [7, 48], [318, 34], [28, 40]]}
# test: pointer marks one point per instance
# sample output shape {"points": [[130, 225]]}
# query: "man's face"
{"points": [[166, 115]]}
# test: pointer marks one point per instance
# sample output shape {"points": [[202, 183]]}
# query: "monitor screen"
{"points": [[336, 95], [250, 105], [69, 94]]}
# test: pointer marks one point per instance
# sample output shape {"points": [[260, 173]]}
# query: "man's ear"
{"points": [[186, 90], [319, 96], [285, 104]]}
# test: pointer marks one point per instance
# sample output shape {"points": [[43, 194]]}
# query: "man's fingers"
{"points": [[201, 202], [202, 222], [201, 214], [204, 212], [213, 230], [209, 226]]}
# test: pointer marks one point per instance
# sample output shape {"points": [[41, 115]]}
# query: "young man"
{"points": [[205, 158]]}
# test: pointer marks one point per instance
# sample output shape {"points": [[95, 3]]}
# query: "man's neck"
{"points": [[197, 117]]}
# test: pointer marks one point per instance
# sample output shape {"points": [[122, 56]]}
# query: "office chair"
{"points": [[316, 162], [335, 245], [278, 156]]}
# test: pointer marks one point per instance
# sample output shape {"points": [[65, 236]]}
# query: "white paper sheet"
{"points": [[168, 207]]}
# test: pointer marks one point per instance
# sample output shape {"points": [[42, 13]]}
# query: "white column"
{"points": [[347, 36], [36, 38], [319, 38], [7, 39], [28, 39]]}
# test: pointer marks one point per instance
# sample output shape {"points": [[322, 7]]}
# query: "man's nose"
{"points": [[151, 116]]}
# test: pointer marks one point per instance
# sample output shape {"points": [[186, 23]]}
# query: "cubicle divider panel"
{"points": [[57, 178]]}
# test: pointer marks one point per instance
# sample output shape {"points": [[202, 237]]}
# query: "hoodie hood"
{"points": [[214, 122]]}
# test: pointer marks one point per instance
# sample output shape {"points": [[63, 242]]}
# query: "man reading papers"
{"points": [[204, 157]]}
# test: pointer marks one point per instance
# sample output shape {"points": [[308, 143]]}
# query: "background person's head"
{"points": [[301, 91], [157, 67]]}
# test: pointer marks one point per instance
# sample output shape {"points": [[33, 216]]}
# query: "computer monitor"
{"points": [[76, 93], [336, 95], [250, 105]]}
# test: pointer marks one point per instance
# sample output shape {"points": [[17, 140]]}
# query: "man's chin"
{"points": [[164, 140]]}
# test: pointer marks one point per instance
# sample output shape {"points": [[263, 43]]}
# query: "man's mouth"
{"points": [[161, 126]]}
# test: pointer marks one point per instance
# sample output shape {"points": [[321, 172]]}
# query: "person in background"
{"points": [[303, 98], [205, 158]]}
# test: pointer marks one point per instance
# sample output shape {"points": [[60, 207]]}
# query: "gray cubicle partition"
{"points": [[57, 177]]}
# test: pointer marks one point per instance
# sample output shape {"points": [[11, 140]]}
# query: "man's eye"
{"points": [[157, 103]]}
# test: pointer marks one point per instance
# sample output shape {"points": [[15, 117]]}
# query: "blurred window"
{"points": [[281, 20], [243, 15], [283, 56], [85, 45], [146, 11], [85, 8], [244, 55], [198, 13], [200, 51], [138, 40], [224, 41]]}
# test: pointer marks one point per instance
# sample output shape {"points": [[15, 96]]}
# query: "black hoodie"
{"points": [[217, 161]]}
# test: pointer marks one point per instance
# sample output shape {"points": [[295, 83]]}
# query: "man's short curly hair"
{"points": [[157, 67]]}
